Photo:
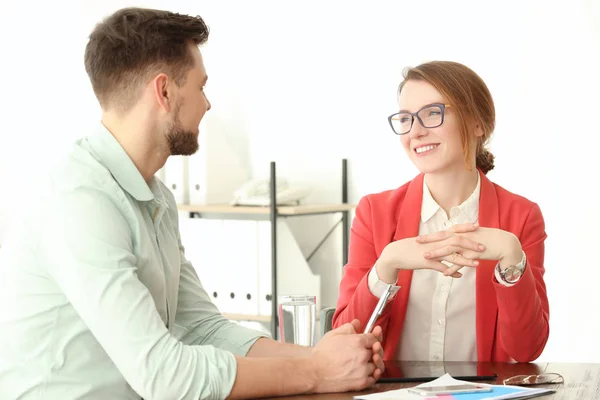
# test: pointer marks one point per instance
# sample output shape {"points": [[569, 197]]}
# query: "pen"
{"points": [[378, 309]]}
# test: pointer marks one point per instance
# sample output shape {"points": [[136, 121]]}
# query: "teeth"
{"points": [[423, 149]]}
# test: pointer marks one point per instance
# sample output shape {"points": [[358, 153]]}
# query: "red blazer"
{"points": [[512, 322]]}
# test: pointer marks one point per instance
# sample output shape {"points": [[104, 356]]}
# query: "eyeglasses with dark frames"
{"points": [[430, 116]]}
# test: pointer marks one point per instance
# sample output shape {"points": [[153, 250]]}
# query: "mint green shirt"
{"points": [[97, 300]]}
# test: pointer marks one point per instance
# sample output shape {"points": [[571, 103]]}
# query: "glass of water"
{"points": [[298, 319]]}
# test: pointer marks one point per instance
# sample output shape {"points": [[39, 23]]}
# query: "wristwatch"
{"points": [[513, 273]]}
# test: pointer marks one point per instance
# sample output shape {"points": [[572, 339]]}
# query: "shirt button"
{"points": [[440, 322], [436, 357], [444, 288], [447, 224]]}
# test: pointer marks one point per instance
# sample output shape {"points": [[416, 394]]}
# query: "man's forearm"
{"points": [[268, 377], [265, 347]]}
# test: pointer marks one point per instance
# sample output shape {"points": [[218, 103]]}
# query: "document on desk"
{"points": [[499, 392]]}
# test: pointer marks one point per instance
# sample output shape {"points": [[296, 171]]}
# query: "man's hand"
{"points": [[377, 348], [344, 360], [378, 352]]}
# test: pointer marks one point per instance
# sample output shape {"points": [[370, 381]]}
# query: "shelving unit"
{"points": [[272, 213]]}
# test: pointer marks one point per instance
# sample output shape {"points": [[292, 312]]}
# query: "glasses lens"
{"points": [[534, 379], [516, 380], [401, 123], [545, 378], [431, 116]]}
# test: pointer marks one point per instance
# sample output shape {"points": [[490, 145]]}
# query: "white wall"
{"points": [[313, 81]]}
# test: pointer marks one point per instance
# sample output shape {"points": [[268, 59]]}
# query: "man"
{"points": [[98, 300]]}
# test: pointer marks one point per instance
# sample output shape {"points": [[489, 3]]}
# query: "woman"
{"points": [[465, 256]]}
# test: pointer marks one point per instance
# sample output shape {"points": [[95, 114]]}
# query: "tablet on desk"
{"points": [[424, 371]]}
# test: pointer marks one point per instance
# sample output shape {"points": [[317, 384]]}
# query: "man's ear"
{"points": [[161, 89]]}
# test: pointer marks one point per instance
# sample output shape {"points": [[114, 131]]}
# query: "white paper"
{"points": [[445, 380]]}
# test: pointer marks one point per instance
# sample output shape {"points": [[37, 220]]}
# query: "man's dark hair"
{"points": [[133, 45]]}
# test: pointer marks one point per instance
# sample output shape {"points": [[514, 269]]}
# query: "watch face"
{"points": [[512, 274]]}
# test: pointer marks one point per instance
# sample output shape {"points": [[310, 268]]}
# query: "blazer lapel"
{"points": [[486, 305], [407, 225], [409, 214]]}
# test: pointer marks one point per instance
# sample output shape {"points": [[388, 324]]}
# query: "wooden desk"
{"points": [[288, 211], [582, 381]]}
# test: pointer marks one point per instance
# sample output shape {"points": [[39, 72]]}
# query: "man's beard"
{"points": [[181, 142]]}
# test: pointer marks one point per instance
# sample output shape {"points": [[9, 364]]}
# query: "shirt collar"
{"points": [[470, 206], [109, 151]]}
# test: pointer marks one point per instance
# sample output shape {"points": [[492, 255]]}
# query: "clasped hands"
{"points": [[449, 250]]}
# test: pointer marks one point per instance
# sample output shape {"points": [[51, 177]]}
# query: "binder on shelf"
{"points": [[203, 240], [239, 267], [176, 178], [219, 166], [160, 174], [198, 167], [197, 178], [263, 267]]}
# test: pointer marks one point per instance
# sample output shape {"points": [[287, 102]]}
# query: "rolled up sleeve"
{"points": [[198, 321], [91, 258]]}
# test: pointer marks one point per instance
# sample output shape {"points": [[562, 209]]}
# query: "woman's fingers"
{"points": [[454, 252], [434, 237], [445, 234], [442, 267], [453, 234], [451, 254], [463, 228], [457, 262], [453, 270]]}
